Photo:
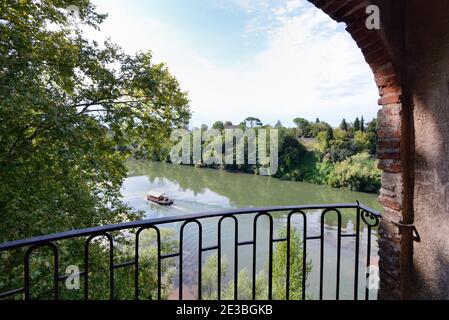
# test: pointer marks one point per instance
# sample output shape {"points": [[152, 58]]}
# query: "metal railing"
{"points": [[364, 218]]}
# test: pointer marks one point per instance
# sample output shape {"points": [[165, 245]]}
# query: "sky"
{"points": [[270, 59]]}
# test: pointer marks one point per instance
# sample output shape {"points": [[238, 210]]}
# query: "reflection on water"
{"points": [[197, 190]]}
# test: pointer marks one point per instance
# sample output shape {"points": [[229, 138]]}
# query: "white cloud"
{"points": [[292, 5], [309, 69], [248, 6]]}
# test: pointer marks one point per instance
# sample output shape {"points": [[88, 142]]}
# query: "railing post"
{"points": [[357, 253]]}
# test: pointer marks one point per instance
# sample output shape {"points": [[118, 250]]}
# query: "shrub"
{"points": [[359, 173]]}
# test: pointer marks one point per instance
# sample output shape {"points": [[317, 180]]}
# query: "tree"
{"points": [[344, 125], [356, 125], [329, 136], [209, 283], [228, 124], [70, 108], [362, 141], [319, 127], [371, 130], [362, 124], [291, 152], [342, 149], [359, 173], [244, 286], [340, 135], [372, 127], [218, 125], [253, 122], [278, 125], [296, 266], [204, 127], [304, 127]]}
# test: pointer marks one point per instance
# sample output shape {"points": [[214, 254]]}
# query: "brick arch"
{"points": [[394, 248], [373, 44]]}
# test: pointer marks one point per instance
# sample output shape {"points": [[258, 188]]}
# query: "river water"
{"points": [[196, 190]]}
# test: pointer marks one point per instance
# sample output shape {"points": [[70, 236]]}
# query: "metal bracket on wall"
{"points": [[400, 225]]}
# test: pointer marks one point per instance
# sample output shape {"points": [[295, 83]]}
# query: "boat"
{"points": [[160, 199]]}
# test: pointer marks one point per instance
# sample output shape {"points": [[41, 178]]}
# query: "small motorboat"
{"points": [[160, 199]]}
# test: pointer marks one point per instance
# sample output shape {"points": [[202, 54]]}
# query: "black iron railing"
{"points": [[365, 219]]}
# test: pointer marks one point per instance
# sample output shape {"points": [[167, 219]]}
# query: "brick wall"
{"points": [[409, 58], [378, 54]]}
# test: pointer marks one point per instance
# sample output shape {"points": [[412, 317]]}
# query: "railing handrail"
{"points": [[172, 219]]}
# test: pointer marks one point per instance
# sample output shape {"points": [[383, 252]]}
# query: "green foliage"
{"points": [[244, 292], [72, 111], [296, 267], [372, 135], [357, 125], [344, 125], [253, 122], [329, 137], [319, 127], [362, 140], [209, 277], [291, 153], [359, 172], [278, 125], [321, 137], [304, 127], [322, 171], [244, 289], [342, 149], [72, 253], [315, 159], [312, 159], [340, 135], [219, 125], [69, 108], [227, 124], [148, 261]]}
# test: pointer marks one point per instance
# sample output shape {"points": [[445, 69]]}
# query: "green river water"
{"points": [[196, 190]]}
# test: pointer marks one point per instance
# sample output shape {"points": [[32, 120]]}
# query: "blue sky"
{"points": [[273, 59]]}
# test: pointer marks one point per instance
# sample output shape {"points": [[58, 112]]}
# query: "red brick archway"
{"points": [[394, 248]]}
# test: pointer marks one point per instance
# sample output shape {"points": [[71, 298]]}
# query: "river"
{"points": [[197, 190]]}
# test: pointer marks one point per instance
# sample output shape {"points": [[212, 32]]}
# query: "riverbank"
{"points": [[357, 173], [341, 158], [206, 189]]}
